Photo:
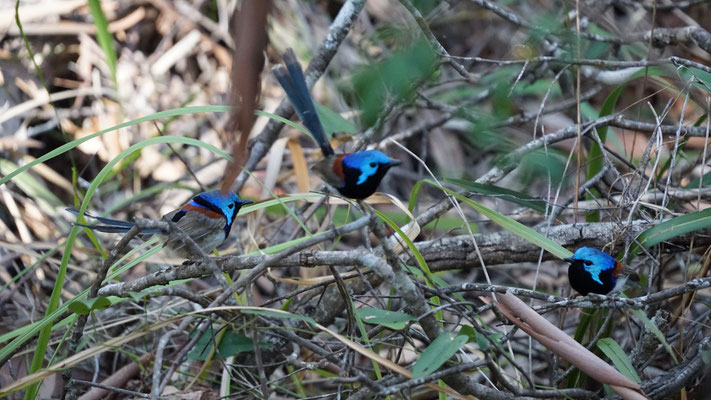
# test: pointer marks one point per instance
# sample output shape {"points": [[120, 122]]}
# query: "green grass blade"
{"points": [[511, 225], [657, 333], [668, 229], [105, 39], [283, 121], [418, 257], [513, 196], [413, 196], [618, 357]]}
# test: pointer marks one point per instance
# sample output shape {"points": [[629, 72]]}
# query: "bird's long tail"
{"points": [[108, 225], [292, 80]]}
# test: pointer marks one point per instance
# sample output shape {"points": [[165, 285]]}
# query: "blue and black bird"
{"points": [[594, 271], [355, 175], [207, 219]]}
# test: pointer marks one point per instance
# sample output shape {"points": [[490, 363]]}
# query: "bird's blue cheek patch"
{"points": [[366, 172], [594, 272]]}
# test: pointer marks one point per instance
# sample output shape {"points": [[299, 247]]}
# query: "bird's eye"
{"points": [[372, 165], [231, 206], [588, 262]]}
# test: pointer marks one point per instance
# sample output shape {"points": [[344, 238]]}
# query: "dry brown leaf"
{"points": [[274, 161], [248, 27], [560, 343], [301, 170]]}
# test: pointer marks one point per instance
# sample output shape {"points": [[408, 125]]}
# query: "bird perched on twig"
{"points": [[207, 219], [354, 175], [594, 271]]}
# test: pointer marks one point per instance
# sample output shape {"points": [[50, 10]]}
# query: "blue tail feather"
{"points": [[294, 84], [104, 228], [110, 225], [107, 221]]}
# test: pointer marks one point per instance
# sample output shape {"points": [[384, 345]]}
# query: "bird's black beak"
{"points": [[569, 259], [393, 163], [245, 202]]}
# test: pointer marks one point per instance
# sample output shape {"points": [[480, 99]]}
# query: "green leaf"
{"points": [[484, 343], [364, 336], [283, 121], [470, 333], [33, 188], [668, 229], [104, 37], [412, 202], [648, 324], [138, 297], [85, 306], [706, 356], [702, 181], [396, 76], [203, 346], [513, 196], [540, 163], [702, 76], [618, 357], [79, 308], [392, 319], [231, 343], [511, 225], [651, 71], [437, 353], [418, 257], [678, 152], [333, 122]]}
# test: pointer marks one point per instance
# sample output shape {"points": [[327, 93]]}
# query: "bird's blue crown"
{"points": [[367, 162], [217, 201]]}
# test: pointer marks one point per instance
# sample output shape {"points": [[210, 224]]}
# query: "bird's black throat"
{"points": [[352, 190], [583, 282]]}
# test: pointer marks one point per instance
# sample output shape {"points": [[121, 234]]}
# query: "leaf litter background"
{"points": [[474, 121]]}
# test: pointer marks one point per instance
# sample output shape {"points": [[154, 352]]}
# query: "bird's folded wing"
{"points": [[196, 226]]}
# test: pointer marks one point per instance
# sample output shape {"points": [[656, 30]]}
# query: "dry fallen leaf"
{"points": [[563, 345]]}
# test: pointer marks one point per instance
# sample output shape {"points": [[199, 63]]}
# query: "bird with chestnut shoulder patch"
{"points": [[594, 271], [355, 175], [207, 219]]}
